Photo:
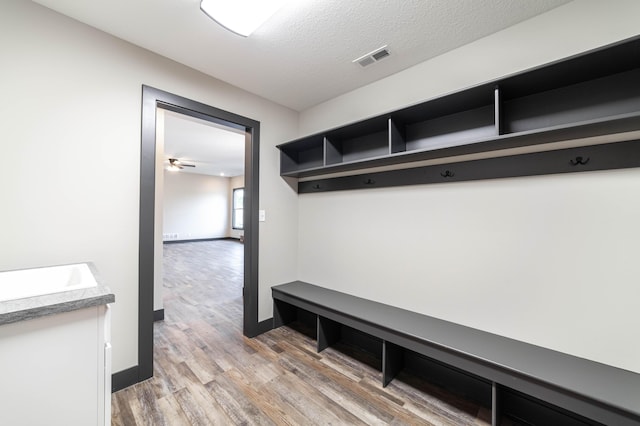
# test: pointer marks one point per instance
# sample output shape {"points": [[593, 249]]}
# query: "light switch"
{"points": [[262, 216]]}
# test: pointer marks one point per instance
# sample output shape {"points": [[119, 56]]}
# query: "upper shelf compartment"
{"points": [[593, 94], [358, 142], [305, 155], [452, 120]]}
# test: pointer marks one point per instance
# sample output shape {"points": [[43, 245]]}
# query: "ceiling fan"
{"points": [[175, 164]]}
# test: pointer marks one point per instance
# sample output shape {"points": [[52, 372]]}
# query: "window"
{"points": [[238, 208]]}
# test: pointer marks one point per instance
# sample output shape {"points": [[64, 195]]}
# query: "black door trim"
{"points": [[151, 100]]}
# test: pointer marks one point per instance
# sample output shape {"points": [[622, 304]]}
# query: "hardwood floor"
{"points": [[206, 372]]}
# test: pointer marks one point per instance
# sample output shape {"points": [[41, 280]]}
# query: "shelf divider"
{"points": [[397, 141], [328, 333], [497, 99], [332, 155], [495, 404], [392, 361]]}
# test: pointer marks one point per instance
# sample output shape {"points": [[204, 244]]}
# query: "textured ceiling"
{"points": [[303, 55]]}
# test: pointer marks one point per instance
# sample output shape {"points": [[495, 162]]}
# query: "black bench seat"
{"points": [[596, 391]]}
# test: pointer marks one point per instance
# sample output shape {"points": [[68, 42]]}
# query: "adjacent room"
{"points": [[349, 212], [199, 194]]}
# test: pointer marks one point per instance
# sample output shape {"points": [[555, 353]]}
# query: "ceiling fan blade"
{"points": [[174, 162]]}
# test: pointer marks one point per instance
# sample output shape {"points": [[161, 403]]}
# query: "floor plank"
{"points": [[207, 373]]}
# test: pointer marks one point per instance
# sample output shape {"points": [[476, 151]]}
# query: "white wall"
{"points": [[195, 206], [71, 130], [234, 182], [548, 260]]}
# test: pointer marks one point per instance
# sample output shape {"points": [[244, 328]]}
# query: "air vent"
{"points": [[372, 57]]}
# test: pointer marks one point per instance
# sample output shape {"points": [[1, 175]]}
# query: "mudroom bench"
{"points": [[538, 385]]}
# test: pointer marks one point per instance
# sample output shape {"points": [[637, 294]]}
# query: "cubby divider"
{"points": [[392, 361], [328, 333], [498, 118], [396, 137], [495, 404], [332, 153]]}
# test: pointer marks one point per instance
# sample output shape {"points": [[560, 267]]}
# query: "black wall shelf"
{"points": [[591, 94]]}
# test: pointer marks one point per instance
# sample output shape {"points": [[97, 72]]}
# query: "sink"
{"points": [[23, 283]]}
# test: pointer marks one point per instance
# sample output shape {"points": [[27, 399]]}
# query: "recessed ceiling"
{"points": [[303, 55], [214, 149]]}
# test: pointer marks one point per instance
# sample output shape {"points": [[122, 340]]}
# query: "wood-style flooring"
{"points": [[206, 372]]}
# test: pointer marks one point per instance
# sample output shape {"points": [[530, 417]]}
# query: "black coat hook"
{"points": [[579, 160], [447, 174], [369, 181]]}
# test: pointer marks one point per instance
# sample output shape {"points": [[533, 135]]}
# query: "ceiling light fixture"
{"points": [[240, 16]]}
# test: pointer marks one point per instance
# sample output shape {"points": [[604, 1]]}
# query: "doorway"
{"points": [[152, 99]]}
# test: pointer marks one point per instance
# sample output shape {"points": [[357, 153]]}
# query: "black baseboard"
{"points": [[197, 240], [124, 379], [266, 325], [158, 315]]}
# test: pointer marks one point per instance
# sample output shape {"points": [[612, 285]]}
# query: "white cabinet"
{"points": [[56, 369]]}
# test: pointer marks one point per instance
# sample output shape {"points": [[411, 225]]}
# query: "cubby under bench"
{"points": [[534, 384]]}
